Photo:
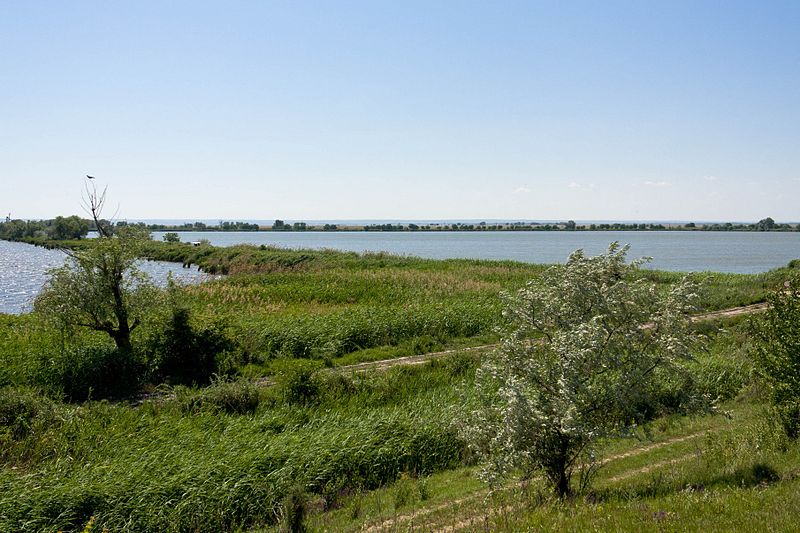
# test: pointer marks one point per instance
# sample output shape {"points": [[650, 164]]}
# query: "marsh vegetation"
{"points": [[206, 449]]}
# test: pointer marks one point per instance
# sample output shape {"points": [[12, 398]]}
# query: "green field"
{"points": [[353, 448]]}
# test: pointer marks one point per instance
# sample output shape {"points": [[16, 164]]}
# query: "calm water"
{"points": [[23, 270], [23, 267], [670, 250]]}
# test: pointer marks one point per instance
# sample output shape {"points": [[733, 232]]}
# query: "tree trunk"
{"points": [[123, 334], [558, 469], [122, 338], [562, 484]]}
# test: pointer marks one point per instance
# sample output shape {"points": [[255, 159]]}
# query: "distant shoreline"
{"points": [[763, 225], [74, 227]]}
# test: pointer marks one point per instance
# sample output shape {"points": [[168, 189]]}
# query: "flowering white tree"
{"points": [[588, 339]]}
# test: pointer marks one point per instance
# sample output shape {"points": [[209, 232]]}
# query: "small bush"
{"points": [[185, 355], [232, 397], [300, 385]]}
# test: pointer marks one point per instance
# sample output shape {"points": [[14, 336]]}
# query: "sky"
{"points": [[402, 110]]}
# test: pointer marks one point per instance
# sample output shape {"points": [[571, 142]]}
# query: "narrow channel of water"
{"points": [[23, 272]]}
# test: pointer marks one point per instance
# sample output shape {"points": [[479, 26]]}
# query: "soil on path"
{"points": [[420, 359], [412, 360]]}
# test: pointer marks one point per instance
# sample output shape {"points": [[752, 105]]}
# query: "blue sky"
{"points": [[403, 110]]}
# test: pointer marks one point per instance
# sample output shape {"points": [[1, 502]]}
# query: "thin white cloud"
{"points": [[575, 186], [710, 178], [650, 183], [522, 190]]}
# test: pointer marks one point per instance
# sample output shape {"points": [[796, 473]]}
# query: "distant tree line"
{"points": [[197, 226], [59, 229], [280, 225], [74, 227], [765, 224]]}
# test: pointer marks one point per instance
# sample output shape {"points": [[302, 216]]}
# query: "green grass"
{"points": [[185, 464], [362, 447], [340, 307], [226, 457], [733, 467], [282, 303]]}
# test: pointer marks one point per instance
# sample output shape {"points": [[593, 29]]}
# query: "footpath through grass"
{"points": [[712, 473]]}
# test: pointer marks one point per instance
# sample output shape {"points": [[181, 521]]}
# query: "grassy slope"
{"points": [[711, 473], [176, 466], [182, 465], [171, 467]]}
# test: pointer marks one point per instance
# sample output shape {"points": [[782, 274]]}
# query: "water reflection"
{"points": [[23, 272]]}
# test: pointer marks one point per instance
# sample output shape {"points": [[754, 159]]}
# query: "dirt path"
{"points": [[412, 360], [654, 466], [732, 312], [400, 520], [472, 521], [420, 359]]}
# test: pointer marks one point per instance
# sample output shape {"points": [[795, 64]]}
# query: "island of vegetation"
{"points": [[333, 391]]}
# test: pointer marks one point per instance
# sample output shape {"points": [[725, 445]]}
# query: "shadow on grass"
{"points": [[663, 484]]}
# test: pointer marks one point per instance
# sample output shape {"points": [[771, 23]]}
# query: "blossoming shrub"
{"points": [[589, 344]]}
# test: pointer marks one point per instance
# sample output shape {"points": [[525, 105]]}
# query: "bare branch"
{"points": [[93, 203]]}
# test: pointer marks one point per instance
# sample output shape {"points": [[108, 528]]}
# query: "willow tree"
{"points": [[100, 287], [587, 341]]}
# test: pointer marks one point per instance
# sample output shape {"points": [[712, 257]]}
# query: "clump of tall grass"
{"points": [[342, 332], [231, 396], [24, 411], [744, 457], [179, 352], [80, 373], [300, 385]]}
